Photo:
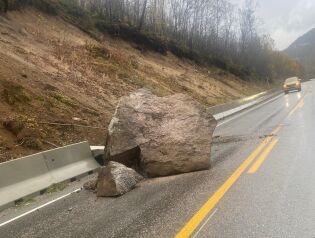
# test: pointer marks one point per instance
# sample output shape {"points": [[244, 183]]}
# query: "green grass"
{"points": [[56, 187], [25, 201], [52, 189]]}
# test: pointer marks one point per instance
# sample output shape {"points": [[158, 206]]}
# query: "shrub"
{"points": [[145, 40], [47, 6]]}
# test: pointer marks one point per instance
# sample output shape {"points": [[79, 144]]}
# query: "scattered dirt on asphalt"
{"points": [[266, 136], [229, 139]]}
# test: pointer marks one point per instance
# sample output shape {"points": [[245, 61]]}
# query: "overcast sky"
{"points": [[285, 20]]}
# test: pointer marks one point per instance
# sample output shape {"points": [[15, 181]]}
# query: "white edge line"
{"points": [[206, 221], [77, 190], [38, 208], [247, 111]]}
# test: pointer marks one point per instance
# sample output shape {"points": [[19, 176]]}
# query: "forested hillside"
{"points": [[303, 50], [212, 32], [213, 29]]}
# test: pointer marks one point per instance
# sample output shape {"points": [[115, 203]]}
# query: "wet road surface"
{"points": [[262, 184]]}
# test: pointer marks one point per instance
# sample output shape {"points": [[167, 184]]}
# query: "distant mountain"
{"points": [[303, 50]]}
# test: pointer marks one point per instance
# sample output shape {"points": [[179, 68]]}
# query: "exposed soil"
{"points": [[60, 86]]}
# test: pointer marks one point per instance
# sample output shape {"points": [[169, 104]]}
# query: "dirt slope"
{"points": [[60, 86]]}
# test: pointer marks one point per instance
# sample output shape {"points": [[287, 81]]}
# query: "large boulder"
{"points": [[160, 136], [116, 179]]}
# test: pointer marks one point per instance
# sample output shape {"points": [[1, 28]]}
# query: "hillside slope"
{"points": [[303, 49], [59, 86]]}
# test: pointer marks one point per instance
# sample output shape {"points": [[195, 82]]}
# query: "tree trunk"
{"points": [[143, 14], [6, 5]]}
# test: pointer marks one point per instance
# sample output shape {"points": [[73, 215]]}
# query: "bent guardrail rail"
{"points": [[70, 161], [32, 174]]}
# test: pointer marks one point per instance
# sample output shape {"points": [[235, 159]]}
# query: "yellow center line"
{"points": [[275, 131], [299, 105], [195, 221], [262, 157]]}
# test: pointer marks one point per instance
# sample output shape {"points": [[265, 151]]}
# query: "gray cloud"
{"points": [[285, 20]]}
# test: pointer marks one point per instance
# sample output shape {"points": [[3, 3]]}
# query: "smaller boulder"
{"points": [[116, 179]]}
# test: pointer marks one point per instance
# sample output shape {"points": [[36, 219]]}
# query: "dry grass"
{"points": [[50, 71]]}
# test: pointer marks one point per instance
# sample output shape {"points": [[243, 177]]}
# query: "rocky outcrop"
{"points": [[160, 136], [115, 179]]}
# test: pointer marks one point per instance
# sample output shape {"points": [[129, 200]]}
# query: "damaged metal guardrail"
{"points": [[33, 174]]}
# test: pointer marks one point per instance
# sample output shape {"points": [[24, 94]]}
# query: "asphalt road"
{"points": [[262, 184]]}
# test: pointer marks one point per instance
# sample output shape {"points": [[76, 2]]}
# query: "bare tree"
{"points": [[144, 8], [213, 28], [5, 5]]}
